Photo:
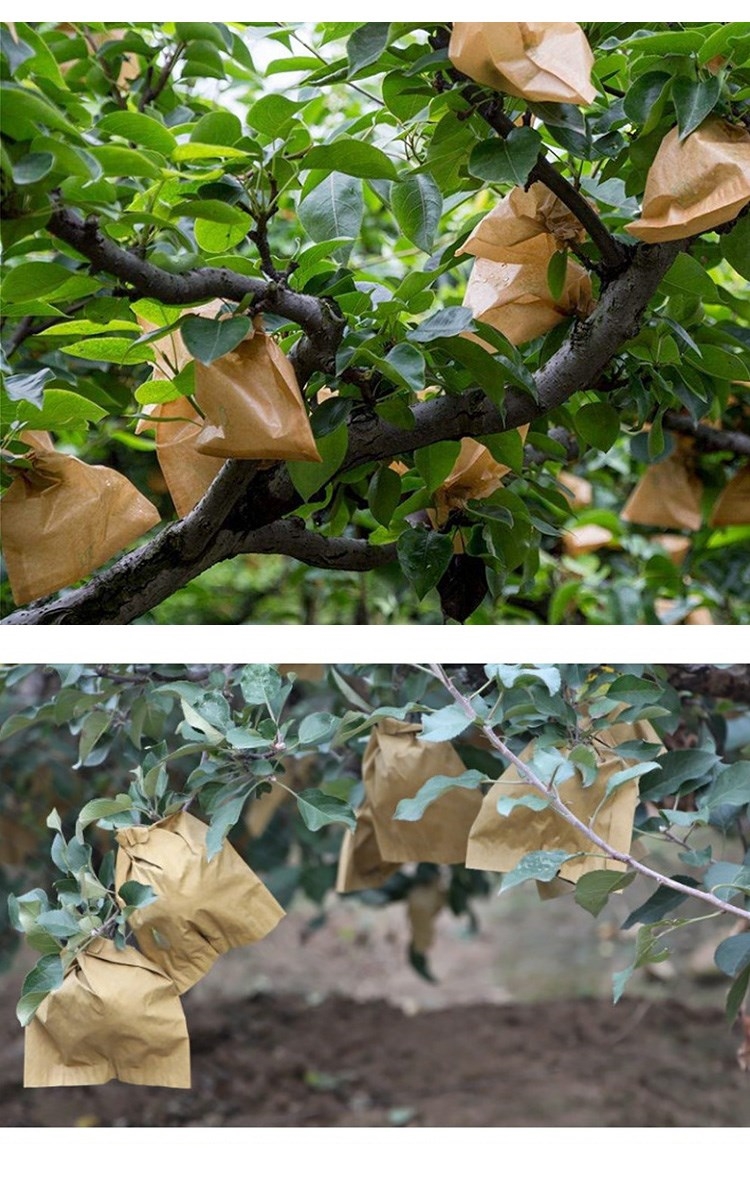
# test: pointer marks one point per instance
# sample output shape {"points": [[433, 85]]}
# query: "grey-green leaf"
{"points": [[418, 204], [411, 809], [318, 809], [508, 160]]}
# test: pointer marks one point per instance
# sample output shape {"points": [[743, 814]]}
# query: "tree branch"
{"points": [[244, 498], [707, 438], [712, 681], [322, 324]]}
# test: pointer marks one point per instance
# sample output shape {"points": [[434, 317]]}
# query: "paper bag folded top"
{"points": [[548, 61], [63, 518], [733, 505], [203, 908], [695, 184], [516, 299], [498, 843], [668, 495], [525, 225], [475, 476], [116, 1015], [396, 764]]}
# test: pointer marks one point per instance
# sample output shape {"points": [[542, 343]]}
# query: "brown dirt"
{"points": [[339, 1032]]}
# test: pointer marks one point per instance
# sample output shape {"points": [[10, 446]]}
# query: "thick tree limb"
{"points": [[713, 681], [244, 498], [322, 324], [707, 438]]}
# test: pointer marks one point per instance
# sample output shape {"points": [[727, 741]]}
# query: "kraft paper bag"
{"points": [[525, 223], [475, 476], [578, 491], [187, 473], [423, 906], [253, 405], [258, 815], [516, 300], [116, 1015], [695, 184], [587, 538], [698, 617], [668, 495], [63, 518], [304, 672], [675, 546], [547, 61], [498, 843], [733, 505], [396, 764], [203, 908], [361, 864]]}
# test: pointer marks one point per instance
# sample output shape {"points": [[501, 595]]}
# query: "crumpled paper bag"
{"points": [[203, 908], [475, 476], [253, 405], [669, 493], [733, 505], [546, 61], [116, 1015], [498, 843], [396, 764], [516, 300], [522, 223], [63, 518], [695, 184]]}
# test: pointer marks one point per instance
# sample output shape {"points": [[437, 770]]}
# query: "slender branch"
{"points": [[28, 326], [153, 91], [706, 436], [244, 498], [555, 801]]}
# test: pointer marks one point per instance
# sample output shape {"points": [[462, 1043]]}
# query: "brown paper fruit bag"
{"points": [[499, 843], [695, 184], [547, 61], [187, 473], [63, 518], [522, 223], [475, 476], [668, 495], [733, 505], [587, 538], [396, 763], [203, 908], [253, 405], [361, 864], [116, 1015], [516, 300]]}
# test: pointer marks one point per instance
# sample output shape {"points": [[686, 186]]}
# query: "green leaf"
{"points": [[424, 558], [58, 922], [196, 721], [211, 210], [208, 339], [102, 807], [318, 809], [333, 209], [717, 361], [408, 363], [138, 128], [436, 462], [34, 279], [536, 804], [663, 902], [356, 158], [643, 95], [384, 493], [135, 894], [156, 392], [199, 31], [444, 324], [309, 477], [45, 977], [111, 349], [542, 865], [198, 151], [508, 160], [731, 787], [509, 675], [116, 161], [217, 128], [365, 46], [681, 771], [733, 954], [557, 271], [59, 408], [260, 684], [721, 41], [411, 809], [445, 723], [314, 728], [220, 236], [25, 110], [688, 276], [271, 114], [32, 168], [634, 772], [693, 100], [94, 725], [736, 247], [595, 887], [726, 879], [598, 425], [736, 996], [417, 205]]}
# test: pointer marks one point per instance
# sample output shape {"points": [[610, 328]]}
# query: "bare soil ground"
{"points": [[337, 1031]]}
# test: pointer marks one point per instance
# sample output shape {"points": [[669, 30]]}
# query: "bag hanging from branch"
{"points": [[526, 224], [187, 473], [475, 476], [253, 405], [733, 505], [587, 538], [116, 1015], [498, 843], [203, 908], [396, 764], [695, 184], [516, 299], [361, 864], [578, 491], [546, 61], [62, 518], [669, 493]]}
